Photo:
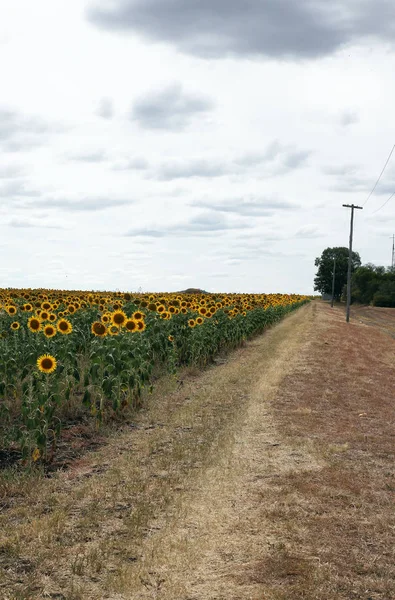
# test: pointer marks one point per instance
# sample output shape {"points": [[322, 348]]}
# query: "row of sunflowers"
{"points": [[90, 355]]}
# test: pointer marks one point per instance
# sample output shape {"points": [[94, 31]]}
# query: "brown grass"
{"points": [[341, 397]]}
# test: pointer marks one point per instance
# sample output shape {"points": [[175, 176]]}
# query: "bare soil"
{"points": [[269, 476]]}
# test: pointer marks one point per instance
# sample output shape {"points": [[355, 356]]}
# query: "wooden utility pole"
{"points": [[393, 253], [333, 281], [352, 206]]}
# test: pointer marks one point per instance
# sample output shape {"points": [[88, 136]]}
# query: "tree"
{"points": [[323, 278], [375, 285]]}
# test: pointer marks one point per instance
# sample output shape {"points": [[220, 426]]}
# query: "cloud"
{"points": [[348, 117], [10, 171], [92, 156], [17, 189], [170, 108], [131, 164], [255, 207], [83, 204], [272, 28], [105, 108], [293, 160], [308, 232], [277, 159], [340, 170], [192, 168], [29, 223], [21, 132], [203, 224]]}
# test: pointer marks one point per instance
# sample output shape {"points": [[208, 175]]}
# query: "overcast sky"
{"points": [[163, 144]]}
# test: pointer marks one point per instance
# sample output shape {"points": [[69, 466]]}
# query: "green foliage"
{"points": [[323, 279], [375, 285], [98, 377]]}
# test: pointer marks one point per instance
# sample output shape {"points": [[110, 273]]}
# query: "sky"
{"points": [[156, 145]]}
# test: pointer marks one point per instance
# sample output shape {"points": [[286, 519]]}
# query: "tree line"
{"points": [[370, 284]]}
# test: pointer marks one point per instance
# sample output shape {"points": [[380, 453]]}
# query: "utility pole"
{"points": [[352, 206], [393, 254], [333, 280]]}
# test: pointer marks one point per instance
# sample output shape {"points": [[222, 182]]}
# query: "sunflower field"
{"points": [[90, 354]]}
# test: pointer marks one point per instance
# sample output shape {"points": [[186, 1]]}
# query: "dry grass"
{"points": [[268, 477], [343, 514]]}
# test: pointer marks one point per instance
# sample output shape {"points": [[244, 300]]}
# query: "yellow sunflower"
{"points": [[64, 326], [98, 329], [113, 330], [49, 331], [192, 323], [119, 318], [46, 363], [36, 454], [139, 316], [34, 324], [15, 325], [141, 325], [11, 309], [131, 325]]}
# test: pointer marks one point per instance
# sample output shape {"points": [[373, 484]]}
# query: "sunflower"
{"points": [[118, 318], [34, 324], [49, 331], [192, 323], [46, 305], [161, 308], [202, 311], [11, 309], [64, 326], [170, 338], [106, 318], [131, 325], [98, 329], [15, 325], [52, 317], [46, 363], [44, 315], [139, 316], [152, 306], [113, 330], [199, 320], [27, 307], [141, 325], [36, 454]]}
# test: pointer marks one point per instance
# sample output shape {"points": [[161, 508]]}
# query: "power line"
{"points": [[382, 206], [375, 185]]}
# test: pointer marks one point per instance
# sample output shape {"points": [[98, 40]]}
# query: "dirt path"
{"points": [[208, 549], [227, 484]]}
